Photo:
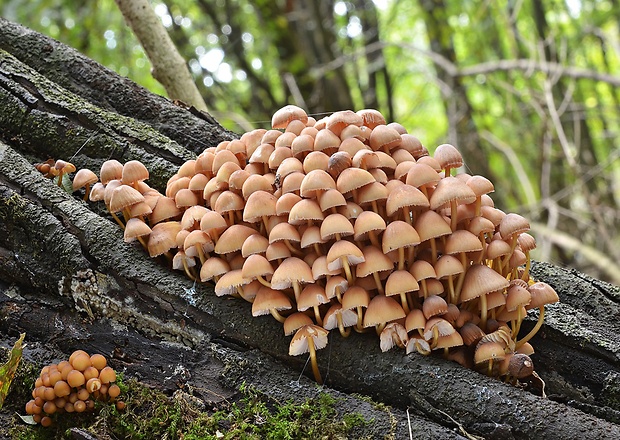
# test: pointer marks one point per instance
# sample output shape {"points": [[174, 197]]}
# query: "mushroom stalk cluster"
{"points": [[72, 386], [345, 222]]}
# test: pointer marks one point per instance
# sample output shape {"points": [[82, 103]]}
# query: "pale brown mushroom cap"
{"points": [[320, 270], [267, 299], [299, 343], [353, 178], [513, 224], [286, 114], [405, 196], [373, 192], [451, 189], [229, 201], [371, 117], [330, 320], [413, 145], [262, 153], [232, 238], [228, 283], [526, 242], [448, 156], [260, 204], [488, 351], [222, 157], [462, 241], [434, 305], [185, 198], [452, 340], [349, 148], [366, 222], [175, 184], [471, 333], [134, 171], [382, 309], [354, 297], [479, 280], [312, 295], [331, 198], [542, 293], [350, 210], [135, 228], [337, 282], [256, 265], [305, 210], [213, 267], [97, 192], [284, 231], [337, 121], [399, 234], [316, 181], [291, 270], [110, 170], [164, 209], [336, 224], [277, 251], [422, 270], [123, 197], [163, 237], [84, 177], [497, 248], [384, 137], [270, 137], [195, 239], [480, 185], [302, 145], [295, 321], [429, 225], [343, 248], [400, 281], [316, 160], [448, 265], [415, 320], [444, 328], [374, 261], [326, 141], [254, 244]]}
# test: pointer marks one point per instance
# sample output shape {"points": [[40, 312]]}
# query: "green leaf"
{"points": [[7, 371]]}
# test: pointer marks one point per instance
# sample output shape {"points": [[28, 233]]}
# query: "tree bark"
{"points": [[75, 260]]}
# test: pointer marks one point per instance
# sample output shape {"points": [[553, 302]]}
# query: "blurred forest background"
{"points": [[528, 90]]}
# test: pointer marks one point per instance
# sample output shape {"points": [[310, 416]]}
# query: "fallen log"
{"points": [[74, 257]]}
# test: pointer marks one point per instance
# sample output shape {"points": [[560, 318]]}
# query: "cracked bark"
{"points": [[68, 261]]}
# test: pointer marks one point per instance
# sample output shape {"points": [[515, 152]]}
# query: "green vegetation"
{"points": [[150, 414]]}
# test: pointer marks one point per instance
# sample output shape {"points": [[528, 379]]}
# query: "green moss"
{"points": [[151, 414]]}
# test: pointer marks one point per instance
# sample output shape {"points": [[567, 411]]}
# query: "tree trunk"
{"points": [[69, 263]]}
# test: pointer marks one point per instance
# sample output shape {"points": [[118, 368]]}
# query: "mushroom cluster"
{"points": [[72, 387], [345, 223]]}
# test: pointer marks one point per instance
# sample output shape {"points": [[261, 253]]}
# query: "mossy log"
{"points": [[73, 258]]}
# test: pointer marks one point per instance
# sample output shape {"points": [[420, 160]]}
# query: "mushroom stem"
{"points": [[379, 328], [315, 366], [317, 316], [60, 178], [433, 251], [86, 191], [345, 332], [347, 270], [421, 350], [490, 368], [373, 239], [188, 271], [201, 254], [143, 243], [118, 220], [317, 249], [530, 335], [375, 275], [452, 290], [483, 312], [297, 290], [404, 302], [528, 264], [276, 314], [453, 215], [292, 248], [401, 258], [263, 281], [359, 327], [407, 214], [424, 289]]}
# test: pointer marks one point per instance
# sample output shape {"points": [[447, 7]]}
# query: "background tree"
{"points": [[527, 90]]}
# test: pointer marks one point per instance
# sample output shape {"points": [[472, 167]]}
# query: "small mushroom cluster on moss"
{"points": [[346, 223], [72, 386]]}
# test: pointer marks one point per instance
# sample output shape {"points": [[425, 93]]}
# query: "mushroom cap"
{"points": [[277, 251], [421, 174], [134, 171], [354, 297], [422, 270], [185, 198], [284, 231], [175, 184], [335, 224], [212, 220], [399, 234], [286, 114], [180, 258], [444, 328], [124, 196], [163, 237], [213, 267], [462, 240], [305, 210], [405, 196], [260, 204], [526, 242], [497, 248], [371, 117], [135, 228], [267, 299], [471, 333], [270, 136], [254, 244], [256, 265], [480, 185], [487, 351], [447, 265], [448, 156], [84, 177], [384, 137], [262, 153], [110, 170], [366, 222], [229, 201], [353, 178], [223, 157], [415, 320], [326, 141], [346, 249], [336, 282], [97, 192], [315, 181], [337, 121], [434, 305], [330, 320], [228, 283], [451, 189], [372, 192], [452, 340], [232, 239], [299, 343], [292, 270], [332, 198], [320, 270], [479, 280], [295, 321], [400, 281], [312, 295], [429, 225], [374, 261], [316, 160], [382, 309], [542, 293], [286, 202], [302, 144], [392, 334], [513, 224], [165, 208]]}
